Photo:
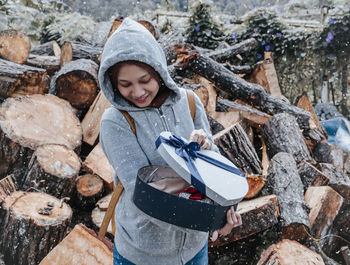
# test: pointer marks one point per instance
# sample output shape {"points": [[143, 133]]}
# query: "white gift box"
{"points": [[222, 186]]}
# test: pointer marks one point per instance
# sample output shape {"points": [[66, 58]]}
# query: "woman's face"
{"points": [[136, 84]]}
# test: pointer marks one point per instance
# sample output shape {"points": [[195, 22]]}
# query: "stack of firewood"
{"points": [[49, 125]]}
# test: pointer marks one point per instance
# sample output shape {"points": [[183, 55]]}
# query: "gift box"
{"points": [[158, 189]]}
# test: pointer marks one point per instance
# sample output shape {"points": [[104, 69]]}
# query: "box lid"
{"points": [[222, 186]]}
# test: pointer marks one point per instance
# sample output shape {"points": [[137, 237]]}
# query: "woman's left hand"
{"points": [[233, 220], [200, 137]]}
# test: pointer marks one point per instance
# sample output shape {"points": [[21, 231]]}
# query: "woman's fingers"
{"points": [[201, 138], [214, 236]]}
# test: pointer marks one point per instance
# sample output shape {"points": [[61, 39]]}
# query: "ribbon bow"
{"points": [[189, 152]]}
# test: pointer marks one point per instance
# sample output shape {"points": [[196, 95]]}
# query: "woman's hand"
{"points": [[233, 220], [200, 137]]}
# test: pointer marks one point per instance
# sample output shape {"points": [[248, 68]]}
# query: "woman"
{"points": [[134, 78]]}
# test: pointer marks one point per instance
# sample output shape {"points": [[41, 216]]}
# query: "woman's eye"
{"points": [[124, 84], [145, 81]]}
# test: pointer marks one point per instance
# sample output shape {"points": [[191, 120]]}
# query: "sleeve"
{"points": [[201, 122]]}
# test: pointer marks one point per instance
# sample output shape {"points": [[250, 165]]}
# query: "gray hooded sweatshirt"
{"points": [[140, 238]]}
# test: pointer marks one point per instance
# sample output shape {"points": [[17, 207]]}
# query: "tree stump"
{"points": [[234, 143], [257, 215], [282, 134], [18, 79], [32, 224], [32, 121], [77, 83], [89, 189], [81, 246], [50, 63], [288, 252], [50, 48], [284, 180], [53, 169], [14, 46]]}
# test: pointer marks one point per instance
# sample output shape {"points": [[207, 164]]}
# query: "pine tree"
{"points": [[202, 30]]}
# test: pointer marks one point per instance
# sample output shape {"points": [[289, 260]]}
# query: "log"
{"points": [[18, 79], [210, 94], [254, 117], [81, 246], [257, 215], [346, 254], [311, 176], [234, 144], [284, 180], [282, 134], [29, 122], [289, 252], [347, 162], [215, 126], [256, 183], [32, 224], [327, 153], [324, 204], [229, 53], [239, 69], [89, 189], [77, 83], [97, 216], [6, 187], [97, 163], [50, 48], [238, 88], [72, 50], [53, 169], [338, 180], [167, 42], [226, 119], [91, 122], [14, 46], [50, 63]]}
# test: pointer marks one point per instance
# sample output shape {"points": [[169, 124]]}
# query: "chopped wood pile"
{"points": [[55, 180]]}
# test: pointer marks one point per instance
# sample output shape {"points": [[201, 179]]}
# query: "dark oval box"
{"points": [[199, 215]]}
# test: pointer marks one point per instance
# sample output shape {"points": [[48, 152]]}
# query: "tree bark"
{"points": [[229, 53], [6, 187], [53, 169], [81, 246], [257, 215], [77, 83], [234, 143], [14, 46], [89, 189], [167, 42], [253, 94], [73, 50], [32, 224], [18, 79], [284, 180], [324, 204], [282, 134], [50, 63], [311, 176], [50, 48], [288, 252], [327, 153]]}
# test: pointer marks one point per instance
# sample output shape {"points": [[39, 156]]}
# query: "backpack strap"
{"points": [[117, 191], [191, 103]]}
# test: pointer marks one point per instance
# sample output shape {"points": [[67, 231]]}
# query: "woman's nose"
{"points": [[138, 91]]}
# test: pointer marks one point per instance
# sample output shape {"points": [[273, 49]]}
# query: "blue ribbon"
{"points": [[189, 152]]}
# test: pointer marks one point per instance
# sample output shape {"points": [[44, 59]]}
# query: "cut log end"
{"points": [[14, 46], [295, 231], [256, 183]]}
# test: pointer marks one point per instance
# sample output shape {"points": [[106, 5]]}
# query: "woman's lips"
{"points": [[142, 100]]}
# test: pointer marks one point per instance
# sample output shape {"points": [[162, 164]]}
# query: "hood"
{"points": [[132, 41]]}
